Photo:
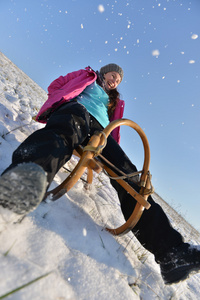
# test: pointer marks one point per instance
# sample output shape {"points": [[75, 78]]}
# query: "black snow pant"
{"points": [[52, 146]]}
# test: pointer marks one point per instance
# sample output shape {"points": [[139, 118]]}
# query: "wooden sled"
{"points": [[88, 160]]}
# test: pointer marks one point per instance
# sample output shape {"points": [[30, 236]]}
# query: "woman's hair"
{"points": [[114, 98], [113, 95]]}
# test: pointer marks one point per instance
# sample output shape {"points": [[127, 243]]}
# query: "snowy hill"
{"points": [[61, 248]]}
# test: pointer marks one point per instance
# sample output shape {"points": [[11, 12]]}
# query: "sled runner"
{"points": [[92, 160]]}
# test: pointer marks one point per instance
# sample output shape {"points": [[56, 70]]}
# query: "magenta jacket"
{"points": [[68, 87]]}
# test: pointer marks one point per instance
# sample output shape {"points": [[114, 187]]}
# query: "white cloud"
{"points": [[191, 61]]}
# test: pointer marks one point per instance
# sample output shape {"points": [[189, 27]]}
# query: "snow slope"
{"points": [[63, 244]]}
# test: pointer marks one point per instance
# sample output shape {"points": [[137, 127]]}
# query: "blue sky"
{"points": [[156, 43]]}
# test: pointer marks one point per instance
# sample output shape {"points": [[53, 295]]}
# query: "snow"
{"points": [[194, 36], [64, 244], [101, 8]]}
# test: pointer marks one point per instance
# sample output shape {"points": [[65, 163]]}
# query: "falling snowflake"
{"points": [[101, 8], [191, 61], [194, 36], [156, 52]]}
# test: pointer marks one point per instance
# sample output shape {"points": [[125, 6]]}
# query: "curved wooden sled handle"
{"points": [[144, 180], [86, 161]]}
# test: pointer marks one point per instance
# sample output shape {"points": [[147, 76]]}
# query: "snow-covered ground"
{"points": [[62, 248]]}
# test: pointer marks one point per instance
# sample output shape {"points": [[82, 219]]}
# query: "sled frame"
{"points": [[88, 161]]}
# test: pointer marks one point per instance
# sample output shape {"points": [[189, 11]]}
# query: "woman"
{"points": [[79, 104]]}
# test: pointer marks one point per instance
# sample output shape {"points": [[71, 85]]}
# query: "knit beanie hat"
{"points": [[112, 67]]}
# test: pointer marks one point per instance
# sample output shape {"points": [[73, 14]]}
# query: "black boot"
{"points": [[21, 190], [179, 263]]}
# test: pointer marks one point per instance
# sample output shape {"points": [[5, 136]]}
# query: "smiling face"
{"points": [[112, 80]]}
